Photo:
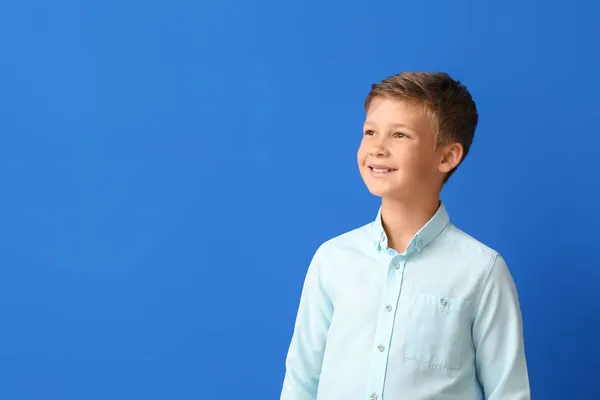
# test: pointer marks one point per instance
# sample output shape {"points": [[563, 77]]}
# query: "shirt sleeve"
{"points": [[498, 338], [307, 347]]}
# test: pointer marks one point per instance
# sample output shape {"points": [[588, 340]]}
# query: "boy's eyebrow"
{"points": [[400, 125], [394, 125]]}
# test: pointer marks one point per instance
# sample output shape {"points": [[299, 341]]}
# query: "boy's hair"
{"points": [[446, 101]]}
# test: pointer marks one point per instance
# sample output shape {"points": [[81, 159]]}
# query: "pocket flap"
{"points": [[443, 303]]}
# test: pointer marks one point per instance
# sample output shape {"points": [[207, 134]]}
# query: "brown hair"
{"points": [[447, 102]]}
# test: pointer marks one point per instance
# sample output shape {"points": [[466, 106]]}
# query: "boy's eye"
{"points": [[400, 135], [369, 132]]}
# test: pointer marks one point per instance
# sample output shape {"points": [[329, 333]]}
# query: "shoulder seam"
{"points": [[488, 273]]}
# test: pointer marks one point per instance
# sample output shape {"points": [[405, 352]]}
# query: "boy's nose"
{"points": [[378, 150]]}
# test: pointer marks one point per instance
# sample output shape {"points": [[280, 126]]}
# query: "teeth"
{"points": [[381, 170]]}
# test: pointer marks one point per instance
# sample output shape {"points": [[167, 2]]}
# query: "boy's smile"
{"points": [[379, 170]]}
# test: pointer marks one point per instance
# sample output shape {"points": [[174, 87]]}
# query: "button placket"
{"points": [[381, 348]]}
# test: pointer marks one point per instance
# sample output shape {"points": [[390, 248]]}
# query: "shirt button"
{"points": [[381, 347], [443, 302], [374, 396], [397, 266], [388, 308]]}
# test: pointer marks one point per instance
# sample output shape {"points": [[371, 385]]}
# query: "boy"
{"points": [[409, 307]]}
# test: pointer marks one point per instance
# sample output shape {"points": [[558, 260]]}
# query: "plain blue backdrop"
{"points": [[168, 169]]}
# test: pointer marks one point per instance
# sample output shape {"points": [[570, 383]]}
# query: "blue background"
{"points": [[169, 168]]}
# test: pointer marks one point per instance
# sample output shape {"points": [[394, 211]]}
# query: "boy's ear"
{"points": [[451, 156]]}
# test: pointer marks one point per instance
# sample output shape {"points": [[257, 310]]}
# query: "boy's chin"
{"points": [[385, 192]]}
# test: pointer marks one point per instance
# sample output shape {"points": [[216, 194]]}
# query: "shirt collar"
{"points": [[422, 238]]}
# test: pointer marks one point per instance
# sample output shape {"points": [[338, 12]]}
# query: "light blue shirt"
{"points": [[440, 321]]}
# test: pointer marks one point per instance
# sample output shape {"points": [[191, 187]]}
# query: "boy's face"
{"points": [[397, 156]]}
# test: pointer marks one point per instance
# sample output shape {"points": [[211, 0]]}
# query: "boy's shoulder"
{"points": [[468, 250], [353, 239], [467, 242]]}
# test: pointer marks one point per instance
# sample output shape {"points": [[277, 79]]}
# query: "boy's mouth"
{"points": [[380, 169]]}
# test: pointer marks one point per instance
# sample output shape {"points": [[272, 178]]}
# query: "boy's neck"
{"points": [[402, 220]]}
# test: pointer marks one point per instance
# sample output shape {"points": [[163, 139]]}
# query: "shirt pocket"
{"points": [[439, 331]]}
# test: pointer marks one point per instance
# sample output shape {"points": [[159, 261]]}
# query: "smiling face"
{"points": [[397, 157]]}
